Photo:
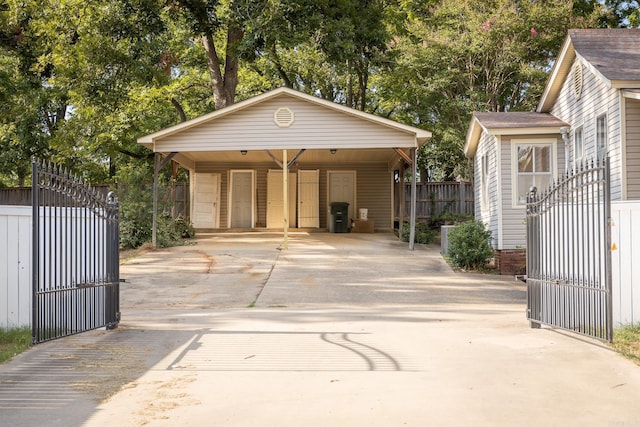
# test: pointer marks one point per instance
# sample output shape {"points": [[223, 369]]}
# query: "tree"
{"points": [[31, 108], [622, 13], [455, 58]]}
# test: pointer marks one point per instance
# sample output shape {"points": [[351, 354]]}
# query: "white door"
{"points": [[275, 200], [342, 189], [309, 198], [241, 200], [206, 197]]}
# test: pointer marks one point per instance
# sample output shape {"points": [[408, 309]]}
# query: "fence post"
{"points": [[112, 250], [35, 238], [462, 197], [532, 257], [608, 262]]}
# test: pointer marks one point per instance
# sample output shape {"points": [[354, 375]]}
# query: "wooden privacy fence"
{"points": [[177, 196], [437, 198]]}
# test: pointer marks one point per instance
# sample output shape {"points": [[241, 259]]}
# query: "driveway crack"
{"points": [[266, 280]]}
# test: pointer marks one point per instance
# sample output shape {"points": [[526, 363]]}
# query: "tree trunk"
{"points": [[364, 82], [213, 63], [230, 82], [179, 109], [283, 75]]}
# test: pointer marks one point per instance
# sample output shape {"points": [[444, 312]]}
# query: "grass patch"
{"points": [[626, 341], [13, 341]]}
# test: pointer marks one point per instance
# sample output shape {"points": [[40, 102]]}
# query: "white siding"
{"points": [[596, 99], [632, 118], [490, 217], [314, 127]]}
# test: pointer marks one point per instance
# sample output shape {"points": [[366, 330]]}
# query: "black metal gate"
{"points": [[568, 253], [75, 258]]}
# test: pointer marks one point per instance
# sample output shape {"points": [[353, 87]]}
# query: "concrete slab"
{"points": [[340, 329]]}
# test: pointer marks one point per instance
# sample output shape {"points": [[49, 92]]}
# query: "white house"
{"points": [[590, 108]]}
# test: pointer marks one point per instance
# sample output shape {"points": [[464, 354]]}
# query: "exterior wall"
{"points": [[632, 149], [491, 216], [373, 190], [15, 266], [513, 229], [314, 127], [597, 98]]}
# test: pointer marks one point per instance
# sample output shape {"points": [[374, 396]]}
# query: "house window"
{"points": [[602, 137], [578, 145], [533, 169], [484, 187]]}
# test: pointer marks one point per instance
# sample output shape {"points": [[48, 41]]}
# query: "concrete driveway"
{"points": [[339, 329]]}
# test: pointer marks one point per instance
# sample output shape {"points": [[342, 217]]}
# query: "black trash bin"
{"points": [[339, 217]]}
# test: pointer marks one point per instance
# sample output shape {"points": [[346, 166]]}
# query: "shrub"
{"points": [[469, 245], [172, 232], [448, 219], [423, 235]]}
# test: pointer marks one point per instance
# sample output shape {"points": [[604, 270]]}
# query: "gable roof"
{"points": [[421, 136], [509, 123], [612, 54]]}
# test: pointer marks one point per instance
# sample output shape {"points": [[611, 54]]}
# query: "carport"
{"points": [[279, 160]]}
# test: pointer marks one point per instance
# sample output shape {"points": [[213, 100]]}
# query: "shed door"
{"points": [[342, 189], [206, 197], [241, 199], [275, 200], [309, 198]]}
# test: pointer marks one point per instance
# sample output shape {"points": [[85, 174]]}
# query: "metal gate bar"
{"points": [[75, 251], [568, 253]]}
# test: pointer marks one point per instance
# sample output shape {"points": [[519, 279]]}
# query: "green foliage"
{"points": [[454, 58], [423, 233], [135, 194], [172, 232], [469, 245], [81, 80], [13, 341]]}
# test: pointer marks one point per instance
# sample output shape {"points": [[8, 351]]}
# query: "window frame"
{"points": [[602, 136], [484, 183], [578, 131], [553, 166]]}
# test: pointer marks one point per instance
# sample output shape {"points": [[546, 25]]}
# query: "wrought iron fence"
{"points": [[568, 253], [75, 258]]}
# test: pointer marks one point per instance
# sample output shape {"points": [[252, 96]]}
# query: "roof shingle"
{"points": [[516, 120], [613, 52]]}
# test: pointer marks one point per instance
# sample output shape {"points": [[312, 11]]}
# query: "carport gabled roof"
{"points": [[417, 137]]}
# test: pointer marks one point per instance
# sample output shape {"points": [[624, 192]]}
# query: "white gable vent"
{"points": [[577, 80], [283, 117]]}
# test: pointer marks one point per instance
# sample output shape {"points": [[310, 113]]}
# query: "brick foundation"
{"points": [[511, 262]]}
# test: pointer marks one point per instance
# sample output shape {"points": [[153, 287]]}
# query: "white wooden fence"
{"points": [[625, 260], [15, 266]]}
